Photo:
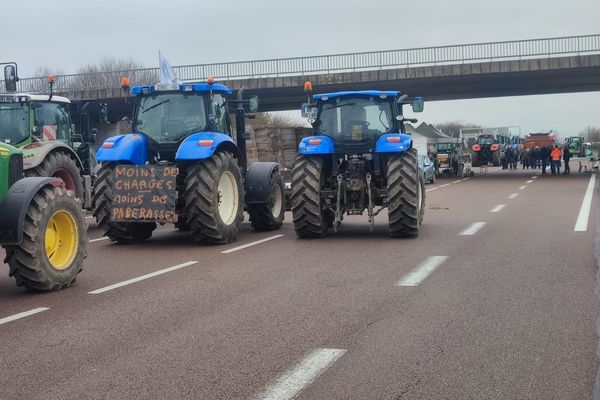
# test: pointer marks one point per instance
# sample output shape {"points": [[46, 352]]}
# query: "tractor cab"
{"points": [[355, 121]]}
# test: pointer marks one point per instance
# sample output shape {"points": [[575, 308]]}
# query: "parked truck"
{"points": [[42, 227], [183, 164], [359, 159]]}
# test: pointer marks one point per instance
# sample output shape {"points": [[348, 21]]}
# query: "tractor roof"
{"points": [[37, 97], [377, 93], [183, 87]]}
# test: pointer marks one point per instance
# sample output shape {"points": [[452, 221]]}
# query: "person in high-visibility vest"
{"points": [[555, 156]]}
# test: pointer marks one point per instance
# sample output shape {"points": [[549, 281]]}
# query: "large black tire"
{"points": [[269, 216], [63, 166], [310, 219], [203, 198], [496, 158], [406, 194], [475, 160], [121, 232], [53, 212]]}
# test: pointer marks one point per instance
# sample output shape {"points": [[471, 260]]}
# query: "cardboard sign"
{"points": [[144, 193]]}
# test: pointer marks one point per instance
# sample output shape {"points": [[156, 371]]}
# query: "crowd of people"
{"points": [[537, 158]]}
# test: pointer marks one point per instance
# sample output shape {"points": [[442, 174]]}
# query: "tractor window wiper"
{"points": [[156, 105]]}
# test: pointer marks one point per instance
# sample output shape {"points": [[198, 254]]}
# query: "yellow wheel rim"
{"points": [[61, 240]]}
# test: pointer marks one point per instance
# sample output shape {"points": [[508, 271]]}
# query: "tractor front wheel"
{"points": [[214, 199], [269, 216], [405, 194], [54, 238], [121, 232], [310, 219]]}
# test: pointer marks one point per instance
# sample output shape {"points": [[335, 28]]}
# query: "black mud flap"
{"points": [[257, 181], [15, 204]]}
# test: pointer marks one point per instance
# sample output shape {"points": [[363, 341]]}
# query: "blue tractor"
{"points": [[186, 128], [359, 159]]}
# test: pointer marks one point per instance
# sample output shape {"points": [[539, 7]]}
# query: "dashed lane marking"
{"points": [[143, 277], [292, 382], [98, 239], [529, 181], [584, 211], [22, 315], [465, 179], [245, 246], [447, 184], [498, 208], [472, 229], [522, 187], [534, 177], [418, 275], [429, 190], [512, 196], [458, 181]]}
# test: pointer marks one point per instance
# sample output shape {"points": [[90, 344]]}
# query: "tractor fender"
{"points": [[393, 143], [35, 153], [258, 180], [131, 148], [314, 145], [14, 207], [202, 145]]}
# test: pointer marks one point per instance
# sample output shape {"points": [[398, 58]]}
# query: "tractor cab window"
{"points": [[14, 122], [51, 121], [221, 114], [171, 117], [355, 119]]}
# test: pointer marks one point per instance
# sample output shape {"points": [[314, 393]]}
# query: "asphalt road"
{"points": [[494, 300]]}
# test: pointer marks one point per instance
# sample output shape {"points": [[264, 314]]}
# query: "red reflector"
{"points": [[205, 142], [314, 141], [393, 139], [108, 145]]}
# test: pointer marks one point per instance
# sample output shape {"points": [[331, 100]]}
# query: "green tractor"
{"points": [[42, 127], [42, 226], [578, 147]]}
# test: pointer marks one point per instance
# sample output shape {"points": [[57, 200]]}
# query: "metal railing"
{"points": [[335, 63]]}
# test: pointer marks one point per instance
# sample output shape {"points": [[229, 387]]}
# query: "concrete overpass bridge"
{"points": [[511, 68]]}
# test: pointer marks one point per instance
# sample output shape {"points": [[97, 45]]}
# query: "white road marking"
{"points": [[584, 211], [529, 181], [23, 315], [292, 382], [498, 208], [141, 278], [245, 246], [418, 275], [466, 179], [458, 181], [534, 177], [447, 184], [429, 190], [512, 196], [522, 187], [473, 228], [99, 239]]}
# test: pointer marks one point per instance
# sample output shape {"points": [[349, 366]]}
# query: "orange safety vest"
{"points": [[555, 154]]}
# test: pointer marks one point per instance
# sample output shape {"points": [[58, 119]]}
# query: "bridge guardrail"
{"points": [[349, 62]]}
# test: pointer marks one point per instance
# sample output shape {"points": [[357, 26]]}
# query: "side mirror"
{"points": [[417, 104], [309, 111], [253, 104], [10, 78]]}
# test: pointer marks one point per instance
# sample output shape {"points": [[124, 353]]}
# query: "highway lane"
{"points": [[229, 325]]}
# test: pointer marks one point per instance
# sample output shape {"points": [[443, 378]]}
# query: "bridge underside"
{"points": [[442, 82]]}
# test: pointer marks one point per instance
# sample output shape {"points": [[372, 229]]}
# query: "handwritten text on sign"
{"points": [[144, 193]]}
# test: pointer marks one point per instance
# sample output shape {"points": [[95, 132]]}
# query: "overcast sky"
{"points": [[69, 33]]}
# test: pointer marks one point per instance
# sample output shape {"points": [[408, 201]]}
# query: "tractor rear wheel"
{"points": [[496, 158], [269, 216], [406, 194], [60, 165], [214, 199], [121, 232], [54, 239], [310, 219], [475, 161]]}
